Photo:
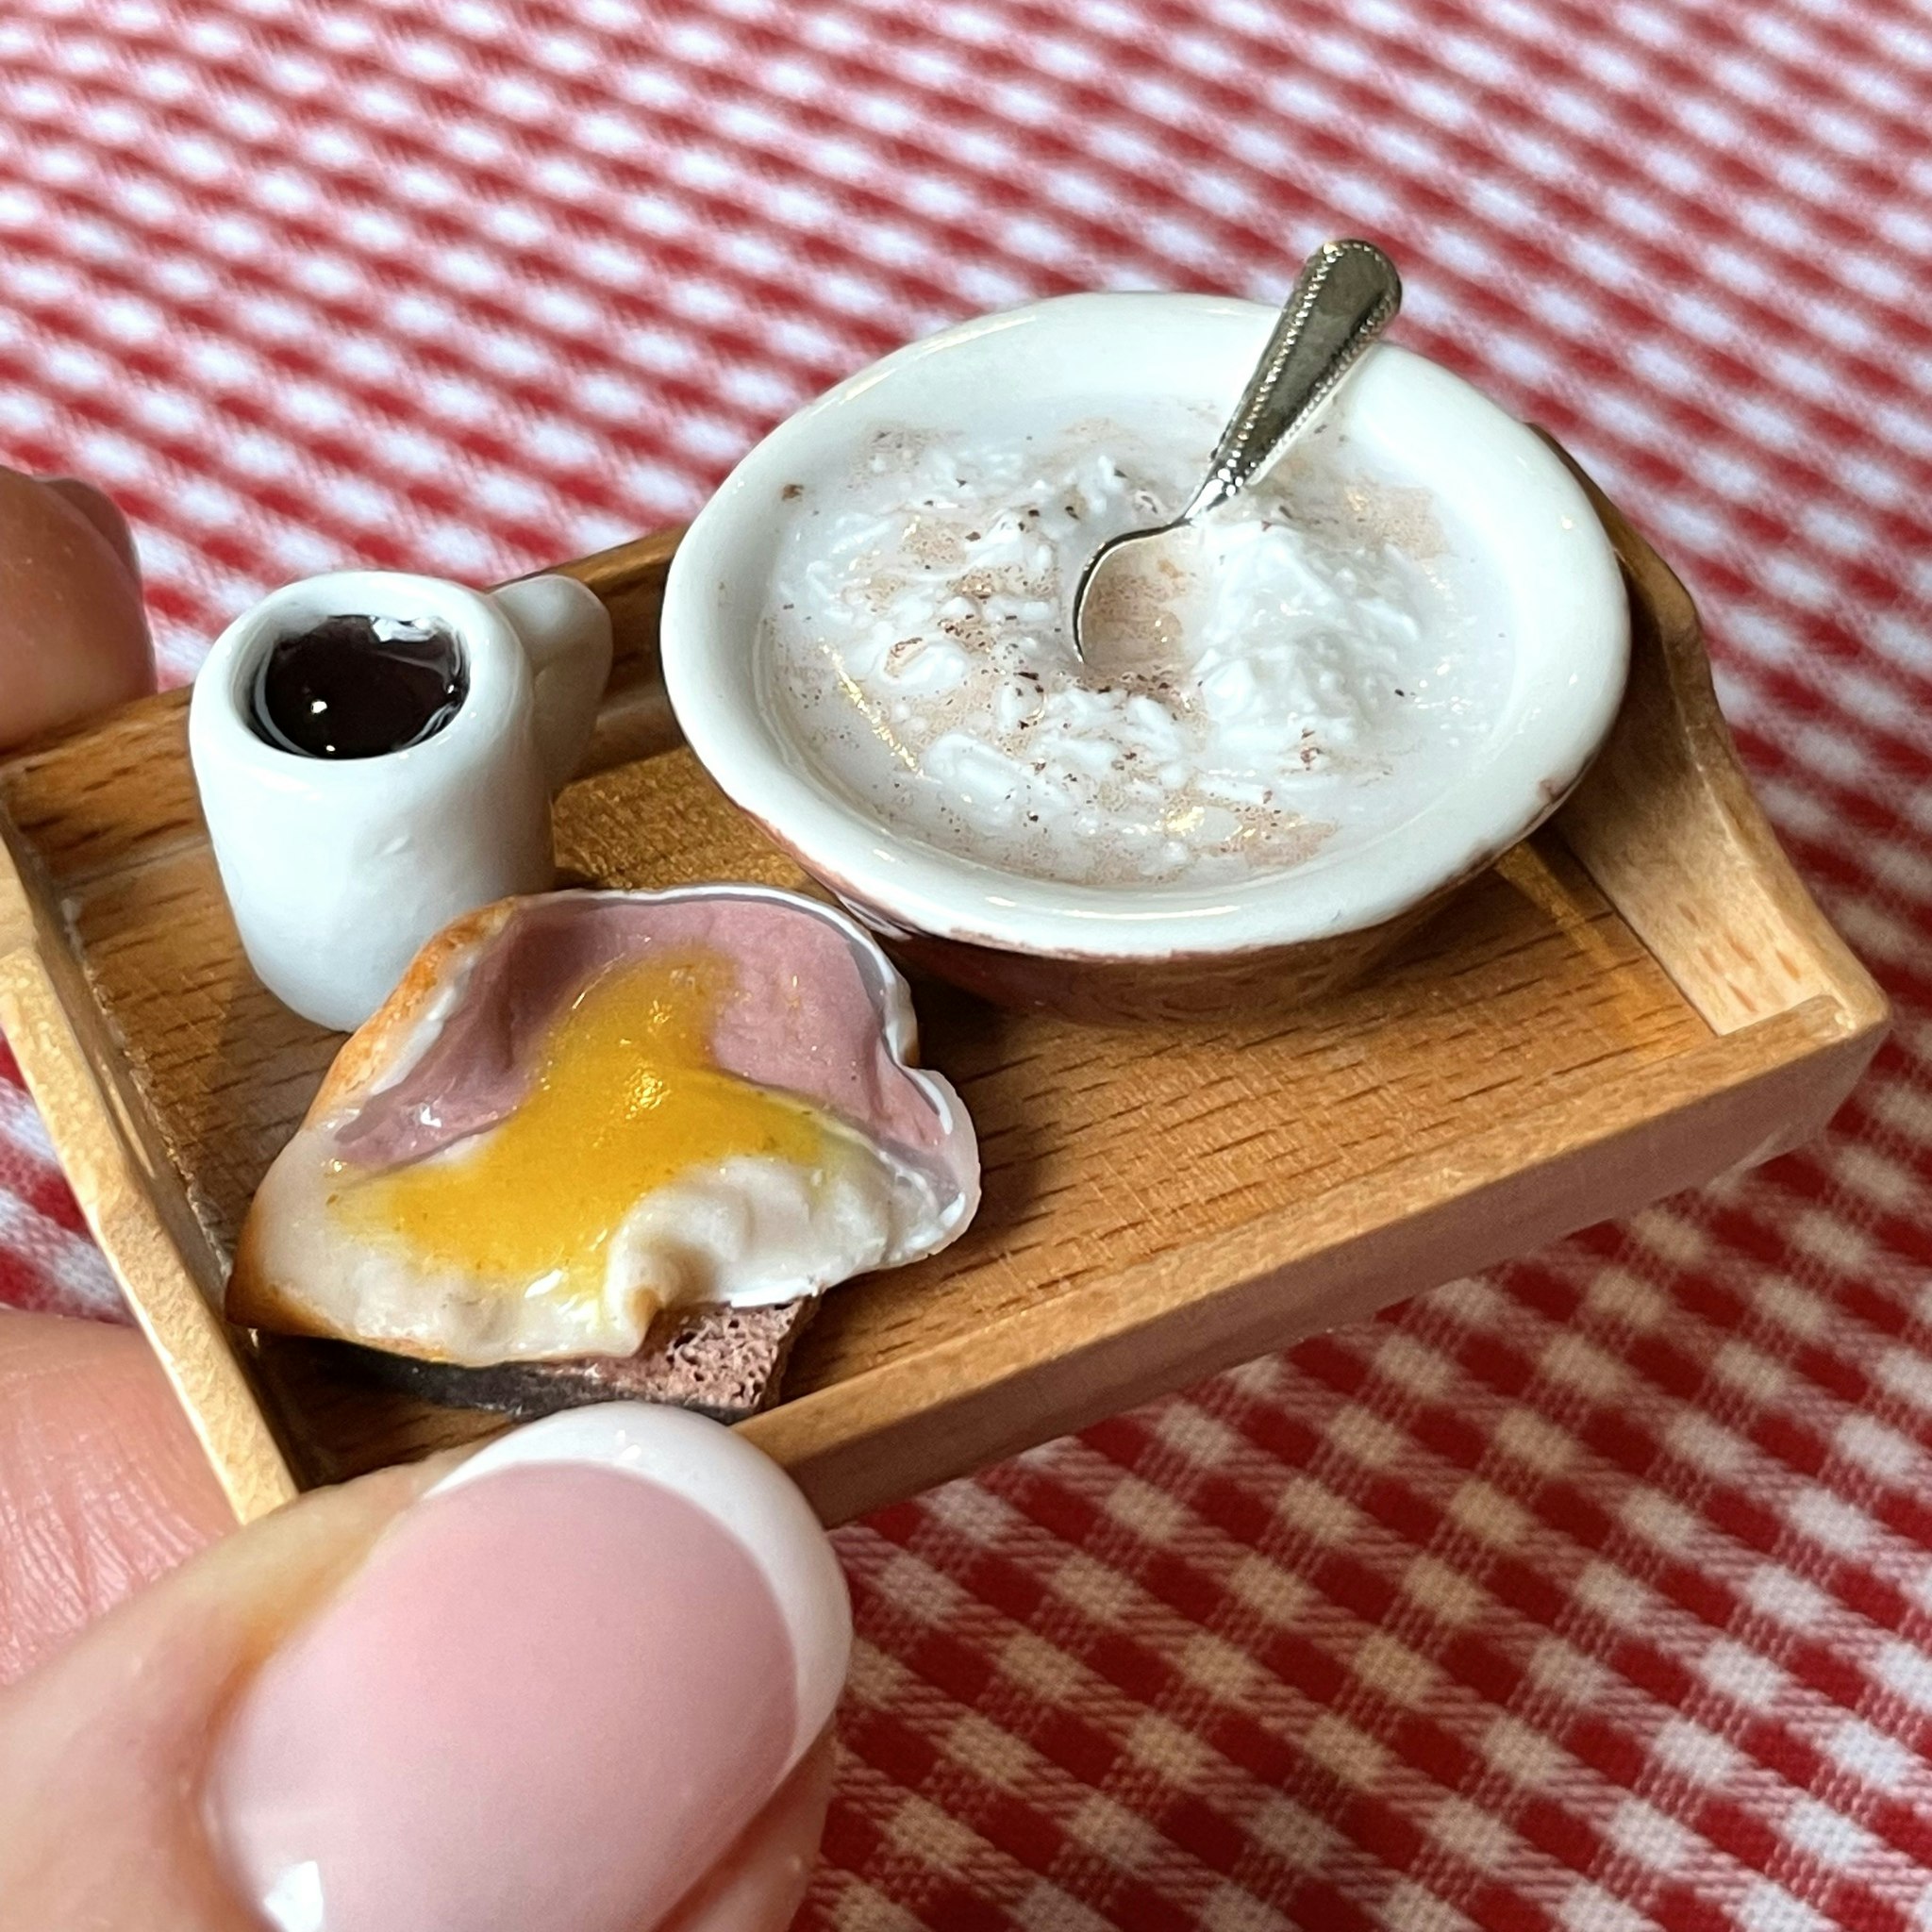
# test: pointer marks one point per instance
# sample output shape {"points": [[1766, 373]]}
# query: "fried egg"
{"points": [[581, 1109]]}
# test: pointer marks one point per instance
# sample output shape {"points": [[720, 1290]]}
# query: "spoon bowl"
{"points": [[1346, 294]]}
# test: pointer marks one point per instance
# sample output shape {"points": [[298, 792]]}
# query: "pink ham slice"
{"points": [[810, 1017]]}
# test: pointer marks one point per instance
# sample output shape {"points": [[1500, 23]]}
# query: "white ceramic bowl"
{"points": [[1112, 950]]}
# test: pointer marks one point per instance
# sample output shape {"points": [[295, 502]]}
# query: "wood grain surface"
{"points": [[1635, 1000]]}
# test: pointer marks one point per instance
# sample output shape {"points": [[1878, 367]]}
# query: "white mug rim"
{"points": [[497, 667]]}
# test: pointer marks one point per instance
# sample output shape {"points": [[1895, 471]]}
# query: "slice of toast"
{"points": [[821, 1015], [728, 1363]]}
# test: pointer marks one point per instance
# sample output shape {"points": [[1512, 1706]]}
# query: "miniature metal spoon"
{"points": [[1346, 295]]}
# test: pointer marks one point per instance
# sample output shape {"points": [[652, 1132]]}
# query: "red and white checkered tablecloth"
{"points": [[1596, 1595]]}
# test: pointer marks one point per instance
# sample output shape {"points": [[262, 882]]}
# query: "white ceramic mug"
{"points": [[337, 869]]}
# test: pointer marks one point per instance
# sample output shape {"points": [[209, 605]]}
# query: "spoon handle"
{"points": [[1346, 295]]}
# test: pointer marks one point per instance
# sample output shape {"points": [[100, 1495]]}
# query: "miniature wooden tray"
{"points": [[1635, 1000]]}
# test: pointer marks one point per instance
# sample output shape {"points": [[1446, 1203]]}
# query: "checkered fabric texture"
{"points": [[1594, 1595]]}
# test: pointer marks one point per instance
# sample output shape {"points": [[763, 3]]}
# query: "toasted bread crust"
{"points": [[367, 1053], [724, 1363], [254, 1299]]}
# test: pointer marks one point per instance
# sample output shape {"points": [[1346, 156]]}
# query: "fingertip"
{"points": [[610, 1603], [103, 1484], [758, 1886], [596, 1668], [718, 1472], [103, 512]]}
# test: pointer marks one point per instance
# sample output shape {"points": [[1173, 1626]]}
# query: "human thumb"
{"points": [[581, 1682]]}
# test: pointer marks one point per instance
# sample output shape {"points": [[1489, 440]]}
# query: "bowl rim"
{"points": [[900, 883]]}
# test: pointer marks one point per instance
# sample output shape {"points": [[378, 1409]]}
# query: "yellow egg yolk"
{"points": [[625, 1098]]}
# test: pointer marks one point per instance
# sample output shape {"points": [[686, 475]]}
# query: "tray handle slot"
{"points": [[1666, 824]]}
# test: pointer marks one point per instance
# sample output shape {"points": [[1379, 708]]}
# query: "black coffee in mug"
{"points": [[354, 687]]}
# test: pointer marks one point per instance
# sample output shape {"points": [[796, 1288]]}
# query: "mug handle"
{"points": [[565, 631]]}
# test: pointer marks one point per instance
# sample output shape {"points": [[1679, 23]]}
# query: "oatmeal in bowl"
{"points": [[1314, 712], [1306, 662]]}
